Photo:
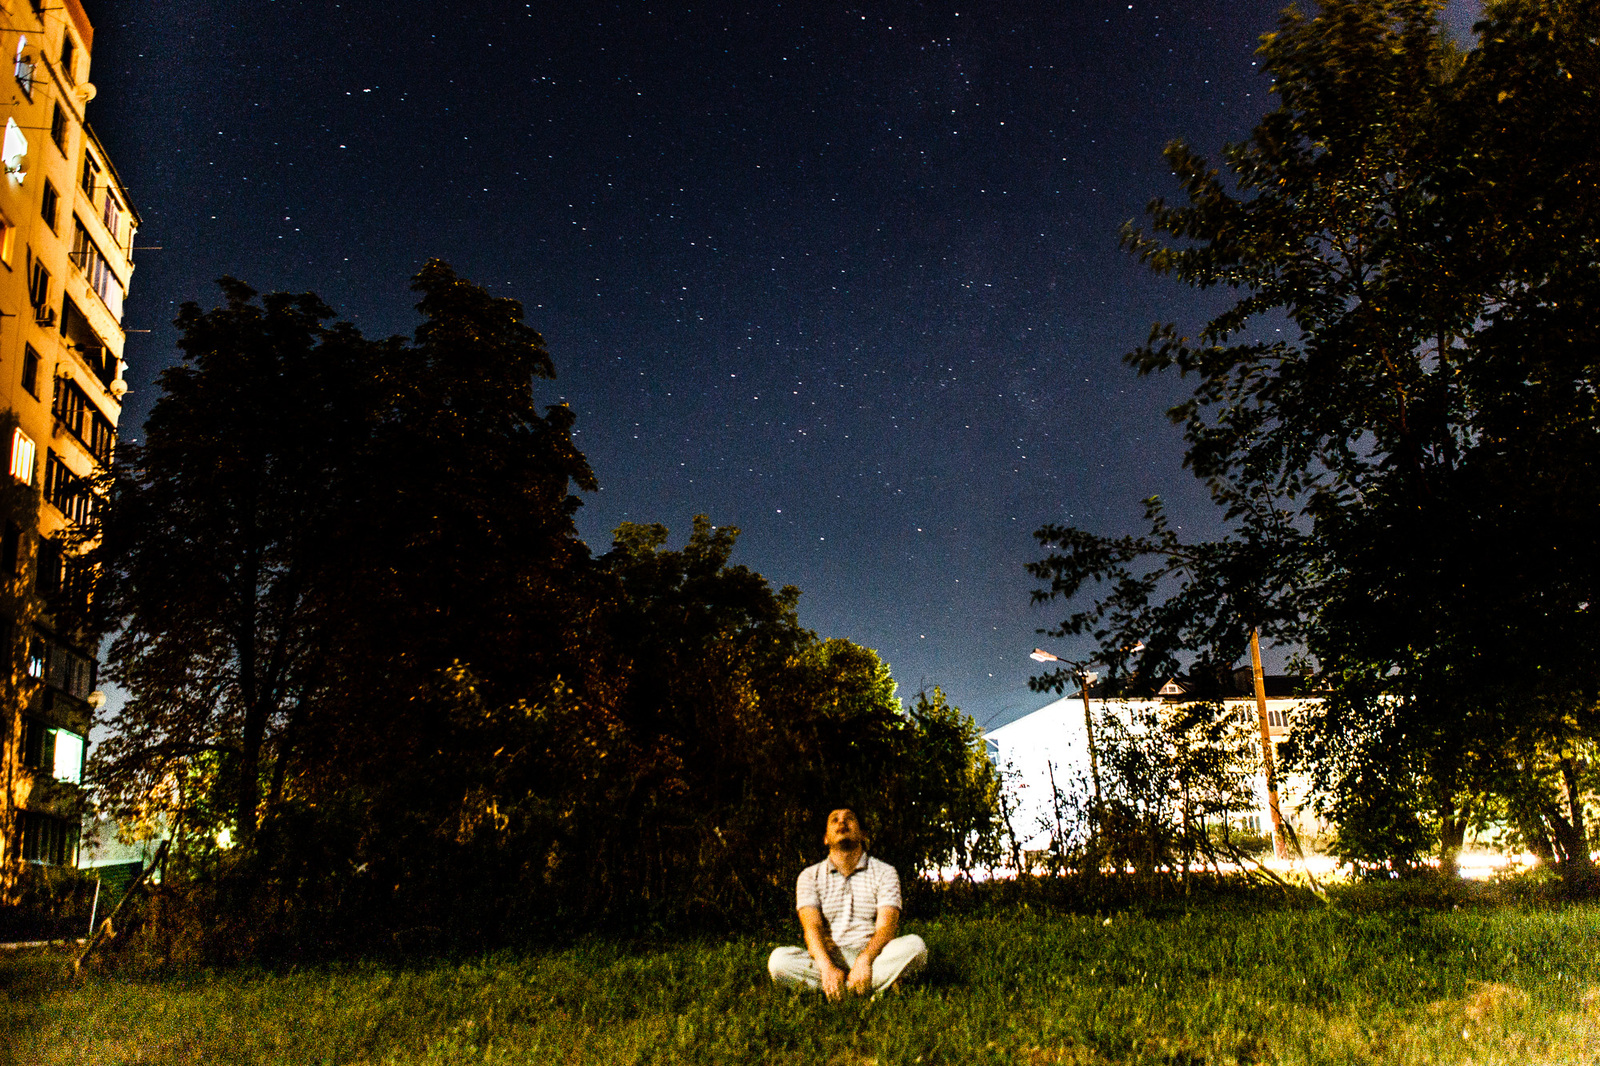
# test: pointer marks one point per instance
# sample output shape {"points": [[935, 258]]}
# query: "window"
{"points": [[15, 152], [113, 216], [91, 171], [22, 456], [1276, 719], [53, 662], [30, 370], [38, 286], [69, 52], [24, 68], [80, 336], [66, 491], [102, 437], [38, 746], [48, 840], [38, 650], [68, 762], [57, 752], [8, 240], [49, 205], [58, 127], [97, 269], [80, 417], [71, 407]]}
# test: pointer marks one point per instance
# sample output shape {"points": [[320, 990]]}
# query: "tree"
{"points": [[314, 525], [218, 533], [1406, 474], [382, 687]]}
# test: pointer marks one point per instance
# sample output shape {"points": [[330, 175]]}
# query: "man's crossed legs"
{"points": [[902, 956]]}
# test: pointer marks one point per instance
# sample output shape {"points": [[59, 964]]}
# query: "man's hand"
{"points": [[860, 981], [833, 981]]}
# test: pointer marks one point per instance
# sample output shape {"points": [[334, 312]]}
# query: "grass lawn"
{"points": [[1341, 985]]}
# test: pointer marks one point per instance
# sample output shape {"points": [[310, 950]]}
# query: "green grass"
{"points": [[1506, 985]]}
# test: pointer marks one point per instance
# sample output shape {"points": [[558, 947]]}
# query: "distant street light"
{"points": [[1086, 678]]}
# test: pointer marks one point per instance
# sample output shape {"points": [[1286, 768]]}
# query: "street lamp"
{"points": [[1086, 678]]}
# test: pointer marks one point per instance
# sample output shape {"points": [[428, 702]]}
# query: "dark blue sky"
{"points": [[844, 276]]}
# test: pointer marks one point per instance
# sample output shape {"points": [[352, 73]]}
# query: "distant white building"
{"points": [[1053, 742]]}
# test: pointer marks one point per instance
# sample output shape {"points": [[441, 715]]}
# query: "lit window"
{"points": [[69, 756], [8, 240], [24, 68], [22, 457], [14, 153]]}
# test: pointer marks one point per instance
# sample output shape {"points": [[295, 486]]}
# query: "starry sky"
{"points": [[845, 276]]}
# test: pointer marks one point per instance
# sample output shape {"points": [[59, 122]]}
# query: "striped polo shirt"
{"points": [[849, 904]]}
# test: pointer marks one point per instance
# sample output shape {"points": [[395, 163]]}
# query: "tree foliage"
{"points": [[377, 683], [1397, 415]]}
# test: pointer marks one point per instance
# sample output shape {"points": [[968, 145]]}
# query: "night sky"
{"points": [[845, 277]]}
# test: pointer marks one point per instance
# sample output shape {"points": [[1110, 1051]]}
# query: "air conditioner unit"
{"points": [[45, 316]]}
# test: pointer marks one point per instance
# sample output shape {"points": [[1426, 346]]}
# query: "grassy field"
{"points": [[1339, 985]]}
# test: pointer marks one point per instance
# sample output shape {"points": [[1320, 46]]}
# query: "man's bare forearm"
{"points": [[880, 940], [824, 952]]}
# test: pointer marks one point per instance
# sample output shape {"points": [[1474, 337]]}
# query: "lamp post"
{"points": [[1086, 678]]}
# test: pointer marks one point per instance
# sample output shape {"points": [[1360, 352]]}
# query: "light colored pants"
{"points": [[904, 955]]}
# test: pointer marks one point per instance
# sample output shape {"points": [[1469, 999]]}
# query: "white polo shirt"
{"points": [[849, 905]]}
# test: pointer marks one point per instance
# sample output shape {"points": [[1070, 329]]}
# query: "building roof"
{"points": [[1222, 685], [80, 20]]}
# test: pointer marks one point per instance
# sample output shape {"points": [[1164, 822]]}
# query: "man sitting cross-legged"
{"points": [[849, 907]]}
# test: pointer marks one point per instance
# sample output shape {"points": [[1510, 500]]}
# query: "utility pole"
{"points": [[1280, 846], [1088, 728], [1039, 655]]}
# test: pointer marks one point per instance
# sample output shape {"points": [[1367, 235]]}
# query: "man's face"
{"points": [[843, 829]]}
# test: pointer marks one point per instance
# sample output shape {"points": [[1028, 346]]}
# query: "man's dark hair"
{"points": [[862, 819]]}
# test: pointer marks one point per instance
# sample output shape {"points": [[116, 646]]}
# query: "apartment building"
{"points": [[66, 237], [1048, 749]]}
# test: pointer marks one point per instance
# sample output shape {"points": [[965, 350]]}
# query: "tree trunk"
{"points": [[1568, 847], [255, 712], [1452, 833], [1579, 863]]}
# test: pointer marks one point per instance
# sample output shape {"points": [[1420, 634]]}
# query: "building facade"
{"points": [[66, 239], [1049, 750]]}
